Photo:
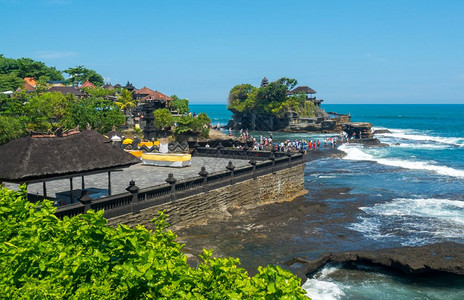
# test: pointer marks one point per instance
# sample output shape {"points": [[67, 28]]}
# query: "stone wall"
{"points": [[284, 185]]}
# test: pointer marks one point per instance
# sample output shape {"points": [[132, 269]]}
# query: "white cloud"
{"points": [[54, 54]]}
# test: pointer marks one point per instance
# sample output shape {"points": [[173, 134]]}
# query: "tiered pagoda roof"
{"points": [[146, 94]]}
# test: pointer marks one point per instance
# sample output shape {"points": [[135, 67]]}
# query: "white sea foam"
{"points": [[321, 288], [355, 153], [420, 219], [419, 136], [420, 146], [445, 209]]}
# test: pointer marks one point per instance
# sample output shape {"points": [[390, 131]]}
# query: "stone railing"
{"points": [[244, 153], [136, 199]]}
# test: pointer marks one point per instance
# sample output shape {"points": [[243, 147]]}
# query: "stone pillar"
{"points": [[245, 149], [253, 163], [195, 147], [219, 149], [134, 190], [231, 169], [172, 181], [86, 200], [272, 157], [289, 155], [203, 173]]}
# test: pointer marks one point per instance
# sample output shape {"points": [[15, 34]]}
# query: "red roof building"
{"points": [[145, 94], [87, 83]]}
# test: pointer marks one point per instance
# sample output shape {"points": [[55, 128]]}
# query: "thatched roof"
{"points": [[36, 158], [66, 90], [303, 88]]}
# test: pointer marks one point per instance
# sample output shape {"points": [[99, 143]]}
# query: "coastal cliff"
{"points": [[279, 106]]}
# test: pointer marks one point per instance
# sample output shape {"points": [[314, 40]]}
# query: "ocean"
{"points": [[410, 193]]}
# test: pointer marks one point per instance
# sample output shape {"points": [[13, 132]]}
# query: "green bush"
{"points": [[163, 119], [43, 257]]}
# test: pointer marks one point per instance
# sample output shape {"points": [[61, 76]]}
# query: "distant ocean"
{"points": [[410, 193]]}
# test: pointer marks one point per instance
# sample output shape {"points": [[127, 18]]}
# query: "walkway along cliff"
{"points": [[265, 180]]}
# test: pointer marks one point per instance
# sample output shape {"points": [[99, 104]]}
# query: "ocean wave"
{"points": [[420, 146], [413, 221], [406, 134], [355, 153], [320, 288], [446, 209]]}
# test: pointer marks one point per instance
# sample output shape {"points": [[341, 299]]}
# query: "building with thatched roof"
{"points": [[309, 94], [45, 158], [129, 87], [108, 86], [67, 90]]}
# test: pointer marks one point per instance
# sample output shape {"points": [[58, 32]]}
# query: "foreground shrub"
{"points": [[43, 257]]}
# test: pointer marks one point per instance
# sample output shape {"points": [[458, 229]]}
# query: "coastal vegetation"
{"points": [[12, 72], [41, 109], [42, 257], [180, 105], [270, 99], [48, 111]]}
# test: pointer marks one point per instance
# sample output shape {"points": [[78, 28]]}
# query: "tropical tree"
{"points": [[163, 119], [125, 101], [10, 82], [10, 128], [180, 105], [80, 74]]}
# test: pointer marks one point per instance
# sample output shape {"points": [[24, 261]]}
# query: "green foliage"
{"points": [[47, 110], [80, 74], [181, 105], [99, 113], [125, 100], [98, 92], [10, 82], [10, 129], [308, 109], [163, 119], [26, 67], [242, 97], [271, 99], [192, 125], [43, 257]]}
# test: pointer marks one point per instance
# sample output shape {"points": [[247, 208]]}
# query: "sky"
{"points": [[348, 51]]}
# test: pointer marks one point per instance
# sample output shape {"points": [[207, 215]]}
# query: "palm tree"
{"points": [[125, 102]]}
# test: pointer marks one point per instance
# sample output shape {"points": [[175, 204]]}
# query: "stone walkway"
{"points": [[143, 175]]}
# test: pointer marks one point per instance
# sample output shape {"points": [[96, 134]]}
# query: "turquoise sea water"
{"points": [[409, 194]]}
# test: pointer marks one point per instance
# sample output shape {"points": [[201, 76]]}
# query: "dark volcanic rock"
{"points": [[369, 142], [442, 257], [380, 131]]}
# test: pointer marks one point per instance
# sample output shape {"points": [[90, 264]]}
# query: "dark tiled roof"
{"points": [[108, 86], [117, 86], [33, 158], [303, 88], [66, 90]]}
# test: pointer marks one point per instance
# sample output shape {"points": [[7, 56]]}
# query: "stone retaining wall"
{"points": [[284, 185]]}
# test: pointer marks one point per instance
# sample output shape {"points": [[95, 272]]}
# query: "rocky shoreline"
{"points": [[444, 257], [256, 236]]}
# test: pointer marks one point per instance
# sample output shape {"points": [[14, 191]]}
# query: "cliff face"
{"points": [[254, 121], [291, 122]]}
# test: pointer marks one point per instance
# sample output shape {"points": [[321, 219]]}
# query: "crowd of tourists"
{"points": [[268, 143]]}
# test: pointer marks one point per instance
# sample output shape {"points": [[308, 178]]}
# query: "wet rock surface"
{"points": [[305, 234], [445, 257]]}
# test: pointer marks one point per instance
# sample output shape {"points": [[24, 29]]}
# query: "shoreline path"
{"points": [[143, 175]]}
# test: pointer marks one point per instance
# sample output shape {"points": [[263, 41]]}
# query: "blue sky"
{"points": [[348, 51]]}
